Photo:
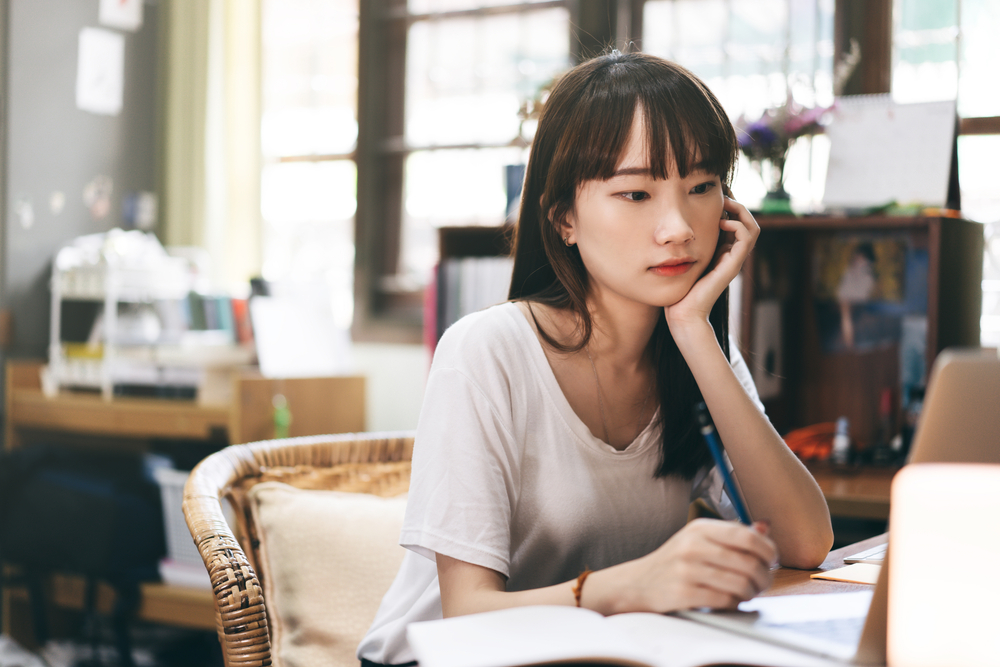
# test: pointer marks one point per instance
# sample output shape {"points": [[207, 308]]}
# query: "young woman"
{"points": [[557, 451]]}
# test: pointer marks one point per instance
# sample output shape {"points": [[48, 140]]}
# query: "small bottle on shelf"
{"points": [[882, 452], [841, 452]]}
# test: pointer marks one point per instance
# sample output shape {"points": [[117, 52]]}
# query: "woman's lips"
{"points": [[672, 268]]}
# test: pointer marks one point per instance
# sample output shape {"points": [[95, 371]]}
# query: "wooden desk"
{"points": [[318, 406], [795, 582], [861, 493]]}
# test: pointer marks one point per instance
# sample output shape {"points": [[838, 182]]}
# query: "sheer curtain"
{"points": [[211, 157]]}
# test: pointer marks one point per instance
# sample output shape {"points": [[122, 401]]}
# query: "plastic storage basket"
{"points": [[180, 546]]}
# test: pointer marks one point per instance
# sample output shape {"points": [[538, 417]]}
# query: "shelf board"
{"points": [[844, 223], [160, 603], [125, 417]]}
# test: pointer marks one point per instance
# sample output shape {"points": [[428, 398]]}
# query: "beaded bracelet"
{"points": [[578, 586]]}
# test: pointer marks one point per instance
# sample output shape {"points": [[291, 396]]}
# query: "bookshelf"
{"points": [[822, 379], [456, 244]]}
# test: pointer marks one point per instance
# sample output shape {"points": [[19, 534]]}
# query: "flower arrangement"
{"points": [[769, 137]]}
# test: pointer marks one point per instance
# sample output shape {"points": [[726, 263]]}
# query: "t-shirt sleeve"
{"points": [[742, 372], [462, 489]]}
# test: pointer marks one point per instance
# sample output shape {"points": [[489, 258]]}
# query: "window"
{"points": [[754, 55], [439, 124], [944, 50], [309, 133], [387, 119]]}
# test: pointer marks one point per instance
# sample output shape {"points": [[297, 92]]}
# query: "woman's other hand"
{"points": [[738, 234]]}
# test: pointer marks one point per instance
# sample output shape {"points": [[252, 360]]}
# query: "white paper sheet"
{"points": [[100, 72], [881, 152]]}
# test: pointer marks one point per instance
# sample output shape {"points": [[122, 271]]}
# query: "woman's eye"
{"points": [[702, 188], [636, 196]]}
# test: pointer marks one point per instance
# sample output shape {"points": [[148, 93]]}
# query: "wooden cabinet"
{"points": [[936, 271]]}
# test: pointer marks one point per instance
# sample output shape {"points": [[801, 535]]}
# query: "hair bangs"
{"points": [[687, 129], [606, 120]]}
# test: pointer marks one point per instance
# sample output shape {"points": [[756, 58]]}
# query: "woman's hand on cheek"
{"points": [[738, 232]]}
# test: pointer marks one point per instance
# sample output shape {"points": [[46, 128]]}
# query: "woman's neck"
{"points": [[622, 331]]}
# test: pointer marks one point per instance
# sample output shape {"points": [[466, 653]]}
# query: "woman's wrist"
{"points": [[606, 593], [692, 335]]}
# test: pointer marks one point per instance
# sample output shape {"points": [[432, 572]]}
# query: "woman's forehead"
{"points": [[638, 151]]}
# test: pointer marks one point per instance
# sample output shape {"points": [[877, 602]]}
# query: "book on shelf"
{"points": [[467, 284], [551, 635]]}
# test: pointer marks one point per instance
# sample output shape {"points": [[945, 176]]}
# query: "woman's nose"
{"points": [[672, 227]]}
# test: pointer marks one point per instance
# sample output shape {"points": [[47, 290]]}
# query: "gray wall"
{"points": [[53, 146]]}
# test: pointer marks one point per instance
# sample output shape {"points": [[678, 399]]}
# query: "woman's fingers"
{"points": [[714, 564], [750, 559], [739, 219]]}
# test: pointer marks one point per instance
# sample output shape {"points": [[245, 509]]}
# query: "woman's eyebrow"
{"points": [[632, 171]]}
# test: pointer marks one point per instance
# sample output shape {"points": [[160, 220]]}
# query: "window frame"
{"points": [[385, 313]]}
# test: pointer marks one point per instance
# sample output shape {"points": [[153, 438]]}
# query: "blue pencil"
{"points": [[714, 446]]}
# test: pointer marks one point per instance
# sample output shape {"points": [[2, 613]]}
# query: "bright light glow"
{"points": [[944, 613], [308, 131], [309, 191], [472, 99], [309, 65], [451, 187]]}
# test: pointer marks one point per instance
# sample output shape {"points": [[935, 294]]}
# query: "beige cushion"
{"points": [[326, 559]]}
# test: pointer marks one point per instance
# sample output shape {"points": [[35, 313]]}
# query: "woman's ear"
{"points": [[565, 224]]}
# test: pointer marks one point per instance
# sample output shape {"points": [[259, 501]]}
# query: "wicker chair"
{"points": [[360, 462]]}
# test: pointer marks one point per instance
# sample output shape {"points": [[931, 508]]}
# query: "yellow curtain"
{"points": [[211, 171]]}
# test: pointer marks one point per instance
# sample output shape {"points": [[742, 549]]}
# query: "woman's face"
{"points": [[643, 239]]}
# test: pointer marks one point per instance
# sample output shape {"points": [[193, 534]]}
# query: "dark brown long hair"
{"points": [[581, 136]]}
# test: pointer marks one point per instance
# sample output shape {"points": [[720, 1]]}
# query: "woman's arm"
{"points": [[778, 488], [776, 485], [708, 563]]}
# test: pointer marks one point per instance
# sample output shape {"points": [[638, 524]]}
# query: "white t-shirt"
{"points": [[507, 476]]}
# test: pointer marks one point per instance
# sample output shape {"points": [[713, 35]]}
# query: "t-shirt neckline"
{"points": [[548, 379]]}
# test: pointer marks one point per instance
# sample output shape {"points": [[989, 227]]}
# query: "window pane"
{"points": [[451, 187], [309, 69], [925, 48], [310, 64], [978, 92], [475, 98], [308, 210], [753, 54], [309, 191], [750, 53], [979, 174], [429, 6], [472, 100]]}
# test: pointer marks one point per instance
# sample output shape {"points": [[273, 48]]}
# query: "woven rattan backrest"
{"points": [[358, 462]]}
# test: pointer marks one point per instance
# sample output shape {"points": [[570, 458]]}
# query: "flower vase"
{"points": [[777, 201]]}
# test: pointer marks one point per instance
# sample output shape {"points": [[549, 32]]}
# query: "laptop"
{"points": [[966, 381], [960, 424]]}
